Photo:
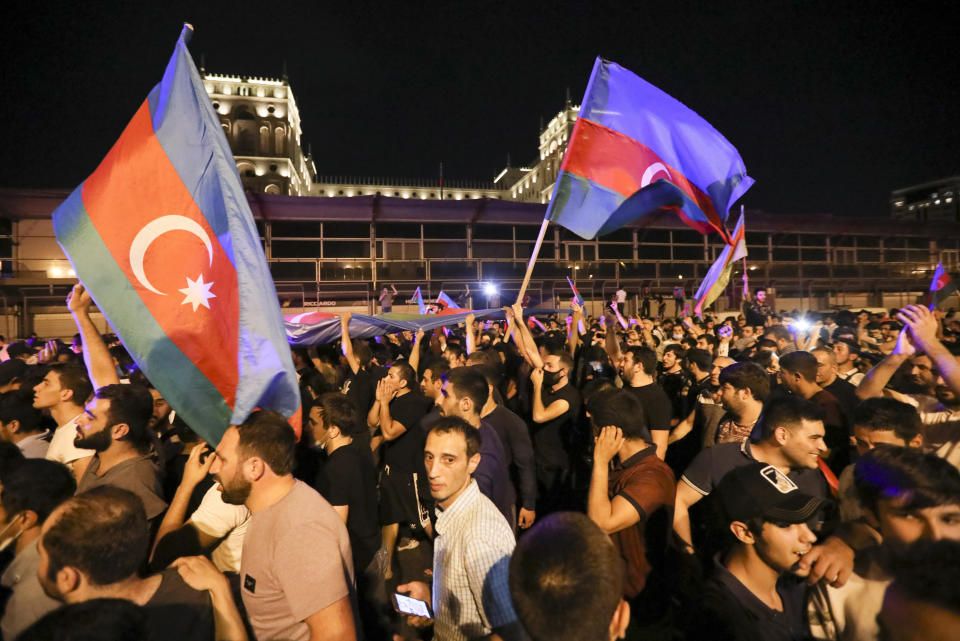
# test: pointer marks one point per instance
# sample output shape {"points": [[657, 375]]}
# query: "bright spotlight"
{"points": [[489, 289]]}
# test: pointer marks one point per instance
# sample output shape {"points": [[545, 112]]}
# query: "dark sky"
{"points": [[831, 104]]}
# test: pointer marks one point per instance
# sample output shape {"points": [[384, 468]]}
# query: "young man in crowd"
{"points": [[752, 593], [566, 581], [634, 502], [29, 491], [114, 425], [92, 546], [396, 412], [463, 395], [847, 351], [63, 393], [923, 602], [471, 555], [843, 391], [22, 424], [297, 569], [791, 439], [743, 389], [637, 367], [798, 372], [908, 496]]}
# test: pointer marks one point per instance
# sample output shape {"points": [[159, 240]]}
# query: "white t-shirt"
{"points": [[62, 448], [218, 519], [621, 296]]}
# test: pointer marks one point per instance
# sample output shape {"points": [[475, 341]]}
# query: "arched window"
{"points": [[272, 189], [279, 140], [265, 140]]}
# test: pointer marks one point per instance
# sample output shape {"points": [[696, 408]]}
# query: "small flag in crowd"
{"points": [[163, 238], [635, 150], [942, 287], [418, 299], [719, 275], [446, 302], [576, 295]]}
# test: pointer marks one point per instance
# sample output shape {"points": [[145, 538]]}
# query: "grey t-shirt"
{"points": [[296, 561], [138, 475], [28, 602]]}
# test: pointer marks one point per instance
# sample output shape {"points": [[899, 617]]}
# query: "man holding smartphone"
{"points": [[471, 552]]}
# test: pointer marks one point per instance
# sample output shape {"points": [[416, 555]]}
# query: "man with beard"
{"points": [[756, 311], [92, 547], [114, 425], [935, 370], [743, 389], [672, 378], [296, 570], [908, 496], [63, 392], [637, 366]]}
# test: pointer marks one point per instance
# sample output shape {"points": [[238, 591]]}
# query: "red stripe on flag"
{"points": [[618, 162], [134, 185], [942, 281]]}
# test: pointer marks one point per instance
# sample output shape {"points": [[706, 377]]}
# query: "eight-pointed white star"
{"points": [[197, 293]]}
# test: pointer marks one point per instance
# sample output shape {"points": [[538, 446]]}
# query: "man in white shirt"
{"points": [[471, 553], [62, 393]]}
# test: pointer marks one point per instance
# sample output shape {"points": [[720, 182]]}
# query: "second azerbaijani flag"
{"points": [[941, 287], [719, 275], [635, 150], [163, 238]]}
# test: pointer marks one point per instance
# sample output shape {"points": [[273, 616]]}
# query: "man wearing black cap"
{"points": [[752, 593]]}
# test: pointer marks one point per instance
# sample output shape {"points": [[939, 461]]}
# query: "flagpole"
{"points": [[533, 258]]}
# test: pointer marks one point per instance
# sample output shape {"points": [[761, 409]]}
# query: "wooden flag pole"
{"points": [[533, 259]]}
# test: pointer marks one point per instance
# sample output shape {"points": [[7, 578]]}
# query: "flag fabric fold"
{"points": [[719, 275], [163, 238], [576, 295], [635, 150], [418, 299], [942, 287]]}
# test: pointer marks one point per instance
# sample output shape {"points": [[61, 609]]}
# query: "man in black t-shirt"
{"points": [[348, 478], [556, 408], [637, 367], [397, 411], [752, 593]]}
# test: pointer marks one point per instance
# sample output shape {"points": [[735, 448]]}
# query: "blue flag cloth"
{"points": [[635, 150]]}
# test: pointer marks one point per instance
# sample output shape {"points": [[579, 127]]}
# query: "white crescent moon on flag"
{"points": [[153, 230], [652, 171], [299, 317]]}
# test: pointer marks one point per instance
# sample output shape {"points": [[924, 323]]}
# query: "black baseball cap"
{"points": [[761, 490]]}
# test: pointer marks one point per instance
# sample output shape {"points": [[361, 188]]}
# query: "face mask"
{"points": [[5, 543], [551, 378]]}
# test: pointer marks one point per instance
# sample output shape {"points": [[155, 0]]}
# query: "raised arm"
{"points": [[923, 328], [620, 319], [877, 378], [194, 471], [524, 338], [96, 356], [471, 336], [573, 335], [415, 352], [610, 342], [347, 343]]}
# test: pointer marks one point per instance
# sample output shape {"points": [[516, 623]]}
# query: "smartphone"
{"points": [[411, 606]]}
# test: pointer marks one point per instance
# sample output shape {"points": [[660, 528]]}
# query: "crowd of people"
{"points": [[622, 476]]}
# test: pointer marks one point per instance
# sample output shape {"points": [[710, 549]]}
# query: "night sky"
{"points": [[831, 104]]}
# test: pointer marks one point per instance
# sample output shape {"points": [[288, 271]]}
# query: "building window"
{"points": [[271, 109], [264, 140], [280, 134]]}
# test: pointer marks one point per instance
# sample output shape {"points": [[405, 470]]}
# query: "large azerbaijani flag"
{"points": [[163, 238], [719, 275], [635, 150]]}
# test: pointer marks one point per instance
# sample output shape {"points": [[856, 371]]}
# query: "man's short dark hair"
{"points": [[74, 377], [766, 344], [645, 357], [339, 410], [406, 373], [802, 363], [888, 415], [37, 485], [454, 350], [620, 408], [456, 425], [267, 435], [677, 350], [133, 405], [18, 406], [102, 532], [779, 332], [469, 383], [488, 373], [918, 480], [747, 375], [566, 579], [699, 357], [490, 362], [563, 355], [785, 411], [711, 339], [438, 368]]}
